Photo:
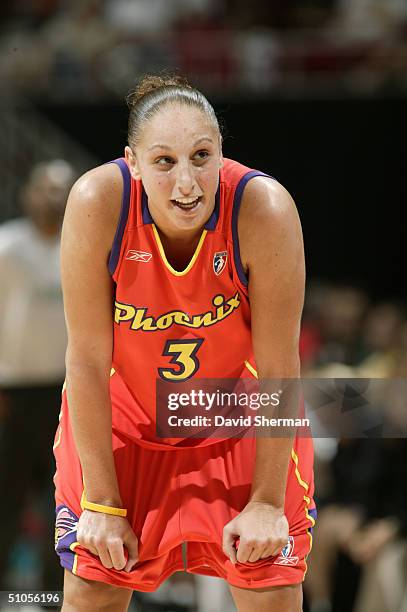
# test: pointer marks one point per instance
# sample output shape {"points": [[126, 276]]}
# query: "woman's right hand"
{"points": [[106, 536]]}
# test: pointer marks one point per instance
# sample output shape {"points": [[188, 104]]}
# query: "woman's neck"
{"points": [[179, 247]]}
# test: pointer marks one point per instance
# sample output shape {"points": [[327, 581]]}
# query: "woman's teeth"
{"points": [[187, 204]]}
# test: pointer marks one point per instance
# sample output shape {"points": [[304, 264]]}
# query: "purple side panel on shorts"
{"points": [[313, 512], [65, 535], [235, 214], [124, 213]]}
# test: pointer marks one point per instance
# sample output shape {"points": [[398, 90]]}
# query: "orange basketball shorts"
{"points": [[178, 496]]}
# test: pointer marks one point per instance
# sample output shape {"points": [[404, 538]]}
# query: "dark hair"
{"points": [[153, 92]]}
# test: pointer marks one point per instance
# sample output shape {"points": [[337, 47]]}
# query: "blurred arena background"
{"points": [[313, 92]]}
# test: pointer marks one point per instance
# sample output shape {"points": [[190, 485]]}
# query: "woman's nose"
{"points": [[185, 182]]}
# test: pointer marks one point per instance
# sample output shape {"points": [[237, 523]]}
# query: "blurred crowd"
{"points": [[359, 559], [92, 49]]}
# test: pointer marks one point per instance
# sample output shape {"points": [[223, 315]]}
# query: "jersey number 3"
{"points": [[183, 356]]}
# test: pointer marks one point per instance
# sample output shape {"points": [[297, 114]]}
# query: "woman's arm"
{"points": [[87, 237], [272, 253]]}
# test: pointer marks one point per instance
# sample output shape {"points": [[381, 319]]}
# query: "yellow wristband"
{"points": [[86, 505]]}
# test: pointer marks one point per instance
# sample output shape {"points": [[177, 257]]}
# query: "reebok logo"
{"points": [[142, 256]]}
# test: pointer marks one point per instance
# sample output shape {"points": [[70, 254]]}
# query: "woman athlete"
{"points": [[177, 263]]}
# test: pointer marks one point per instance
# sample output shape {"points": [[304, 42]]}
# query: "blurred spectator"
{"points": [[203, 43], [75, 39], [369, 19], [365, 521], [32, 351], [258, 55], [334, 316], [381, 338], [311, 326], [142, 16], [384, 585]]}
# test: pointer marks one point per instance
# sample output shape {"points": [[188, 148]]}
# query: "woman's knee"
{"points": [[270, 599], [81, 595]]}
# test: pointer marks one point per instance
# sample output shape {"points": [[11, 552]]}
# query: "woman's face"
{"points": [[178, 158]]}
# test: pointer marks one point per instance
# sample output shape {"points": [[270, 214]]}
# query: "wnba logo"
{"points": [[286, 556], [219, 262]]}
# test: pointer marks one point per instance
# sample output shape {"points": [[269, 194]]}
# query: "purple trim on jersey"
{"points": [[213, 219], [235, 214], [124, 213], [145, 211], [209, 225]]}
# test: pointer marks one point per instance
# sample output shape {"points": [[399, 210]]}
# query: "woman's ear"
{"points": [[132, 163]]}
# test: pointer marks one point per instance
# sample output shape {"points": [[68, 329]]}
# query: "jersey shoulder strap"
{"points": [[234, 177]]}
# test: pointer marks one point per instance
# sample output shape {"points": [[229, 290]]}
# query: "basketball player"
{"points": [[177, 263]]}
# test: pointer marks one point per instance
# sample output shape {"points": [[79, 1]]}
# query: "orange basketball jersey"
{"points": [[176, 324]]}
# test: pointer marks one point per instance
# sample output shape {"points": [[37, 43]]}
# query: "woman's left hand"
{"points": [[262, 529]]}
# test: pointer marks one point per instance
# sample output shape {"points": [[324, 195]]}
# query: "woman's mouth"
{"points": [[187, 203]]}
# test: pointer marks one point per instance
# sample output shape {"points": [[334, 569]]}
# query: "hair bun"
{"points": [[153, 92], [150, 82]]}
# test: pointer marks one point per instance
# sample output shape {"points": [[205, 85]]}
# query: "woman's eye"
{"points": [[164, 161], [201, 155]]}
